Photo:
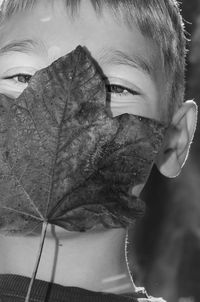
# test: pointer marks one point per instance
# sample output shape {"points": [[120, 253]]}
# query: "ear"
{"points": [[178, 139]]}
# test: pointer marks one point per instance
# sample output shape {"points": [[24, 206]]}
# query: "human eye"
{"points": [[16, 71], [21, 78], [120, 90], [13, 82], [124, 96]]}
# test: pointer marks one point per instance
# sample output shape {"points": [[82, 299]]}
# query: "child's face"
{"points": [[33, 40], [130, 62]]}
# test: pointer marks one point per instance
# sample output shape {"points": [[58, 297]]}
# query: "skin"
{"points": [[94, 260]]}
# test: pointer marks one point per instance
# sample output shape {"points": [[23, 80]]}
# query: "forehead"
{"points": [[54, 25], [55, 32]]}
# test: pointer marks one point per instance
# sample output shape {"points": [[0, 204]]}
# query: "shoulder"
{"points": [[141, 296], [151, 299]]}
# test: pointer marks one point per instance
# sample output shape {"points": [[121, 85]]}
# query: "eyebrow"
{"points": [[113, 56], [106, 56], [25, 46]]}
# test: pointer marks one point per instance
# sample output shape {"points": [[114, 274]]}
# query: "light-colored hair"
{"points": [[159, 20]]}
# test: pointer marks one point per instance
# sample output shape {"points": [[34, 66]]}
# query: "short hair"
{"points": [[159, 20]]}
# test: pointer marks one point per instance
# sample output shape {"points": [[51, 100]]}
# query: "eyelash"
{"points": [[26, 77], [120, 90]]}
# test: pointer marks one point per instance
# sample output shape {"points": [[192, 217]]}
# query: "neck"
{"points": [[94, 260]]}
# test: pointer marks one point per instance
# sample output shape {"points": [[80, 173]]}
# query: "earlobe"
{"points": [[178, 139]]}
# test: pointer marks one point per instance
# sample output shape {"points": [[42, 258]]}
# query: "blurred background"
{"points": [[166, 243]]}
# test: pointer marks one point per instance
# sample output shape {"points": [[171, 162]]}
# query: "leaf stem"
{"points": [[42, 238]]}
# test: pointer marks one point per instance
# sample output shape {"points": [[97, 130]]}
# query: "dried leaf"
{"points": [[63, 159]]}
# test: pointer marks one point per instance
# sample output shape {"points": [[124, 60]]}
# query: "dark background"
{"points": [[167, 244]]}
